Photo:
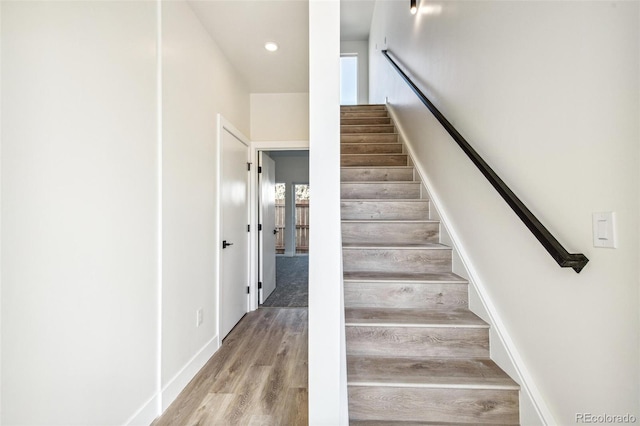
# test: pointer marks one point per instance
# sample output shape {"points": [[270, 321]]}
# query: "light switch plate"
{"points": [[604, 229]]}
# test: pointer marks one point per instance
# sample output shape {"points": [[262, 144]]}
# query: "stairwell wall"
{"points": [[548, 94]]}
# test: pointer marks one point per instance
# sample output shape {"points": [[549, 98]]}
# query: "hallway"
{"points": [[257, 377]]}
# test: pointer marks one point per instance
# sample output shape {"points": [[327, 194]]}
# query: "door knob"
{"points": [[275, 231], [225, 244]]}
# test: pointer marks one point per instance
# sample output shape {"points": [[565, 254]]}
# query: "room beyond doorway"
{"points": [[299, 211], [287, 255]]}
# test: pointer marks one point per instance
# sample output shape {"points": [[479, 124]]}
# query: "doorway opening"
{"points": [[283, 228], [348, 79]]}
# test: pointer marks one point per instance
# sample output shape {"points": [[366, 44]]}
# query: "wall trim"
{"points": [[525, 379], [279, 145], [179, 381], [159, 201], [254, 147], [148, 412], [145, 414]]}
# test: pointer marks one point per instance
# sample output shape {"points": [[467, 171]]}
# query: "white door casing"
{"points": [[256, 147], [234, 218], [268, 221]]}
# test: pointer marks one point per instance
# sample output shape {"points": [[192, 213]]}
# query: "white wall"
{"points": [[108, 213], [361, 49], [279, 116], [292, 167], [198, 83], [327, 358], [78, 211], [548, 94]]}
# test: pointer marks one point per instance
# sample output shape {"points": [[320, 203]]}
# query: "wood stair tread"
{"points": [[374, 154], [389, 221], [369, 143], [365, 134], [410, 423], [408, 246], [388, 128], [395, 317], [383, 182], [385, 200], [408, 277], [376, 167], [470, 373], [364, 106]]}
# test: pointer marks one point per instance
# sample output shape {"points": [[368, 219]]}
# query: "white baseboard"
{"points": [[505, 344], [172, 389], [146, 414], [149, 410]]}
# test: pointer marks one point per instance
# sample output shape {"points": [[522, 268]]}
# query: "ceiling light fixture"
{"points": [[414, 7], [271, 46]]}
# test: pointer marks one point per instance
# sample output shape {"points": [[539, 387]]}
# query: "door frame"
{"points": [[225, 125], [254, 206]]}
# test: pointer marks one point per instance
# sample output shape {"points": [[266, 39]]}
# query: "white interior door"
{"points": [[234, 238], [268, 221]]}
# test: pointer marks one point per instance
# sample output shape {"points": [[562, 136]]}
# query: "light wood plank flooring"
{"points": [[257, 377]]}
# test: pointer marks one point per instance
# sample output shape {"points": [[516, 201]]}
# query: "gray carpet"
{"points": [[292, 283]]}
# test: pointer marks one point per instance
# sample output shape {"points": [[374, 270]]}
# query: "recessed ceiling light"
{"points": [[271, 46]]}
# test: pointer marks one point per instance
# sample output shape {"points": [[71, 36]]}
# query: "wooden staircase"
{"points": [[416, 354]]}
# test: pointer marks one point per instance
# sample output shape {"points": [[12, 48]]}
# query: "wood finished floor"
{"points": [[257, 377]]}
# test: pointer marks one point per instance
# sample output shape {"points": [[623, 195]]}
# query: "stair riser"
{"points": [[396, 260], [365, 121], [373, 160], [369, 138], [472, 406], [409, 190], [404, 295], [417, 341], [367, 129], [365, 114], [371, 148], [391, 233], [354, 210], [377, 174]]}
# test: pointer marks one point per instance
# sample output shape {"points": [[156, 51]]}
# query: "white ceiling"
{"points": [[241, 28]]}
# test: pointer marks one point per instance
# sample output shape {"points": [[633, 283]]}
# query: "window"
{"points": [[348, 80]]}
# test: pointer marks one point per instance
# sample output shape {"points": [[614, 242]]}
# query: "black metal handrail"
{"points": [[577, 261]]}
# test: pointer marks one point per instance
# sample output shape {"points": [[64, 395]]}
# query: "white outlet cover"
{"points": [[199, 317]]}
